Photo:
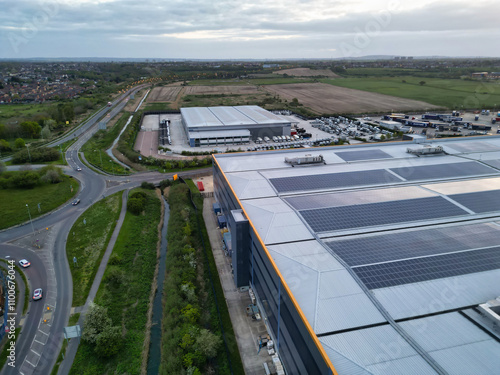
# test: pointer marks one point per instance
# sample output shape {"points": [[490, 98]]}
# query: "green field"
{"points": [[50, 196], [9, 113], [450, 93], [88, 242]]}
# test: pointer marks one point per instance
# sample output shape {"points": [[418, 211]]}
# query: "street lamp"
{"points": [[27, 146], [100, 156], [31, 221], [112, 166]]}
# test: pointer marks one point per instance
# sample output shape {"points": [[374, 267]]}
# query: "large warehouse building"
{"points": [[212, 126], [381, 261]]}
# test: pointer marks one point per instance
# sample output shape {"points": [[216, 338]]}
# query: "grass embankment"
{"points": [[13, 200], [125, 291], [88, 242], [450, 93], [189, 303], [95, 148]]}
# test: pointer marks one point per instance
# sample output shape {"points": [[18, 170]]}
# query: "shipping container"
{"points": [[200, 186], [216, 207], [480, 127]]}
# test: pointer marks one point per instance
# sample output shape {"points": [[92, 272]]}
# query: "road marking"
{"points": [[39, 341], [29, 363], [46, 334], [38, 354]]}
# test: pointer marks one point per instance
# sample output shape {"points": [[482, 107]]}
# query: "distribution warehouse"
{"points": [[208, 126], [371, 259]]}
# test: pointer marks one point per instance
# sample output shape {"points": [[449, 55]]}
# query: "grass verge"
{"points": [[13, 201], [60, 358], [95, 148], [125, 291], [88, 242]]}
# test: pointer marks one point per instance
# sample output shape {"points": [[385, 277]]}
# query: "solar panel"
{"points": [[473, 147], [429, 268], [395, 246], [365, 215], [494, 163], [442, 171], [483, 201], [333, 180], [363, 155]]}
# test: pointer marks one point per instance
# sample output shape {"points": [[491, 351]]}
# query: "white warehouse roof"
{"points": [[390, 248], [251, 115]]}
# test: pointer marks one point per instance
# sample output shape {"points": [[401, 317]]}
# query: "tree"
{"points": [[30, 129], [208, 343], [421, 83], [52, 177], [3, 131], [109, 342], [135, 205], [19, 143], [3, 168], [96, 321], [46, 132], [4, 145]]}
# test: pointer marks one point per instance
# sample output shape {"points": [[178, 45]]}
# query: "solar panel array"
{"points": [[495, 163], [333, 180], [474, 147], [428, 268], [397, 246], [441, 171], [381, 213], [480, 202], [363, 155]]}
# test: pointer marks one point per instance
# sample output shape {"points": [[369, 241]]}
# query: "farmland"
{"points": [[307, 72], [450, 93], [324, 98], [163, 94], [224, 90]]}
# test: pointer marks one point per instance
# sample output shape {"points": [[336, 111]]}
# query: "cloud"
{"points": [[118, 27]]}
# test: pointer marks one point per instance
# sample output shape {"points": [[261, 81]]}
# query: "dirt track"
{"points": [[325, 98], [306, 72]]}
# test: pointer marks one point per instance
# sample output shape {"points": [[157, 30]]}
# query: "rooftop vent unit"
{"points": [[426, 150], [491, 311], [307, 159]]}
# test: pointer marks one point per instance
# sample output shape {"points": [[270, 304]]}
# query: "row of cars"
{"points": [[37, 293]]}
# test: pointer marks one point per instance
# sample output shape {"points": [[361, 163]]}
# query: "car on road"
{"points": [[37, 294], [24, 263], [75, 202], [78, 169]]}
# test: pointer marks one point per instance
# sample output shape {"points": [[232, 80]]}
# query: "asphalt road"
{"points": [[37, 278]]}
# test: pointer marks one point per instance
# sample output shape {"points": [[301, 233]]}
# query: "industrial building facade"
{"points": [[375, 263], [212, 126]]}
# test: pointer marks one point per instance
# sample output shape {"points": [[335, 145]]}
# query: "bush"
{"points": [[52, 177], [148, 185], [96, 321], [41, 154], [135, 205], [19, 143], [25, 179], [109, 342]]}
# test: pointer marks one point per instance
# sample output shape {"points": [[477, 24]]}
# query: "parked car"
{"points": [[37, 294], [24, 263], [75, 202]]}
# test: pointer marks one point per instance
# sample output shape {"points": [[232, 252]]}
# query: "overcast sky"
{"points": [[231, 29]]}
